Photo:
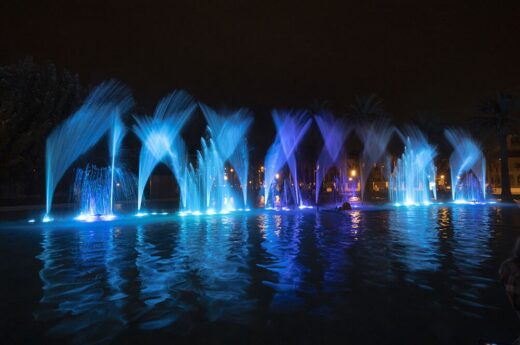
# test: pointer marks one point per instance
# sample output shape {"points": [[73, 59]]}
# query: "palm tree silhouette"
{"points": [[502, 115], [367, 108]]}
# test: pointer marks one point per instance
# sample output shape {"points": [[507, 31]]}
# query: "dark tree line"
{"points": [[34, 98], [500, 117]]}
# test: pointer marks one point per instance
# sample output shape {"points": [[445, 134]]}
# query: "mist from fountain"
{"points": [[334, 133], [291, 126], [412, 181], [467, 167], [375, 137], [81, 131]]}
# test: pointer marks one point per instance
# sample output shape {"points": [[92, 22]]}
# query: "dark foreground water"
{"points": [[425, 275]]}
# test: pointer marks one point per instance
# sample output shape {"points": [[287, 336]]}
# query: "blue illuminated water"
{"points": [[161, 142], [375, 137], [334, 133], [467, 167], [421, 275], [100, 113], [291, 126], [203, 184], [412, 181], [95, 189]]}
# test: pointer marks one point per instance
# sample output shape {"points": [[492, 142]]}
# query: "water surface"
{"points": [[420, 275]]}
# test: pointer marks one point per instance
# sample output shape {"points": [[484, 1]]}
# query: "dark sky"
{"points": [[433, 56]]}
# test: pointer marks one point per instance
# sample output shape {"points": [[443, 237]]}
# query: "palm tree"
{"points": [[367, 108], [501, 114], [316, 106]]}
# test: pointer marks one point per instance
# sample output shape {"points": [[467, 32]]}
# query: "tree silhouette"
{"points": [[367, 108], [501, 115], [34, 98]]}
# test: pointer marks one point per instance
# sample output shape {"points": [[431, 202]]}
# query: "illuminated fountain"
{"points": [[467, 167], [375, 137], [412, 181], [228, 140], [161, 142], [203, 186], [291, 126], [100, 114], [208, 184], [334, 132], [95, 190], [117, 134]]}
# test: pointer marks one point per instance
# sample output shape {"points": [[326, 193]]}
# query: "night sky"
{"points": [[419, 56]]}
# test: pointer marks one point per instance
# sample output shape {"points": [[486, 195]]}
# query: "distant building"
{"points": [[493, 167]]}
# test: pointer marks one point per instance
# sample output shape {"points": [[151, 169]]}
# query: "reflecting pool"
{"points": [[418, 275]]}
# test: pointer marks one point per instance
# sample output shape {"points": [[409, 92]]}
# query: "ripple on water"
{"points": [[246, 269]]}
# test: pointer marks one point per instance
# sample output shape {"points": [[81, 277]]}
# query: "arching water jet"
{"points": [[467, 167], [334, 133], [81, 131]]}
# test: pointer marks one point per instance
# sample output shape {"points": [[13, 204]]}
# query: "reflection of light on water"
{"points": [[470, 202], [278, 224], [82, 284], [262, 219], [156, 274], [444, 221], [282, 243], [223, 264], [333, 236], [414, 229], [204, 270], [116, 261], [355, 217], [471, 230], [96, 279], [89, 218], [302, 207]]}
